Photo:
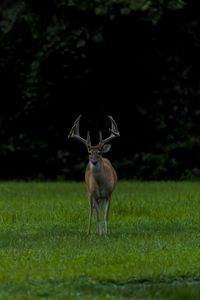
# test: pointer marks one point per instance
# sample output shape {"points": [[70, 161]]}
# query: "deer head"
{"points": [[102, 146]]}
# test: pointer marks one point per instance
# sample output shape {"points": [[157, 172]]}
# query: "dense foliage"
{"points": [[136, 60]]}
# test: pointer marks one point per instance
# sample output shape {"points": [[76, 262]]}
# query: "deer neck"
{"points": [[97, 170]]}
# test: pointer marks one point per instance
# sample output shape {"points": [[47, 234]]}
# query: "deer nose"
{"points": [[93, 160]]}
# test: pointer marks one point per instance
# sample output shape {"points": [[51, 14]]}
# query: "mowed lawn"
{"points": [[152, 251]]}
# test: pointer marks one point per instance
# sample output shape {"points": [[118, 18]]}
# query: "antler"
{"points": [[114, 132], [74, 133]]}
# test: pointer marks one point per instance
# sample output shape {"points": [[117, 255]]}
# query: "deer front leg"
{"points": [[98, 211], [90, 213], [106, 216]]}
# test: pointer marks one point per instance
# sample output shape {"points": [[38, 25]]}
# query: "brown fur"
{"points": [[101, 180]]}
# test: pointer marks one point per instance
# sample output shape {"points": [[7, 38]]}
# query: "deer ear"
{"points": [[105, 148]]}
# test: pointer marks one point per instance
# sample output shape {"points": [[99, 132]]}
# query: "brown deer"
{"points": [[100, 176]]}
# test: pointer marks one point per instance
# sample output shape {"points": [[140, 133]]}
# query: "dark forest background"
{"points": [[136, 60]]}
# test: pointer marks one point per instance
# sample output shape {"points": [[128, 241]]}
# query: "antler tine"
{"points": [[74, 133], [100, 137], [114, 131], [75, 128]]}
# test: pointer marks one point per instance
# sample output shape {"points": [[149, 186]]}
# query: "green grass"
{"points": [[152, 251]]}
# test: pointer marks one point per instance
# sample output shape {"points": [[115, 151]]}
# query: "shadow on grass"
{"points": [[24, 236], [87, 289], [152, 229]]}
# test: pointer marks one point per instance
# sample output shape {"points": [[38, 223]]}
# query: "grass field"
{"points": [[152, 251]]}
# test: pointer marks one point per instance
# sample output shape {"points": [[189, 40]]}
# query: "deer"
{"points": [[100, 175]]}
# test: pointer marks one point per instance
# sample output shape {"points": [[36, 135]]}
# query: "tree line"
{"points": [[135, 60]]}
